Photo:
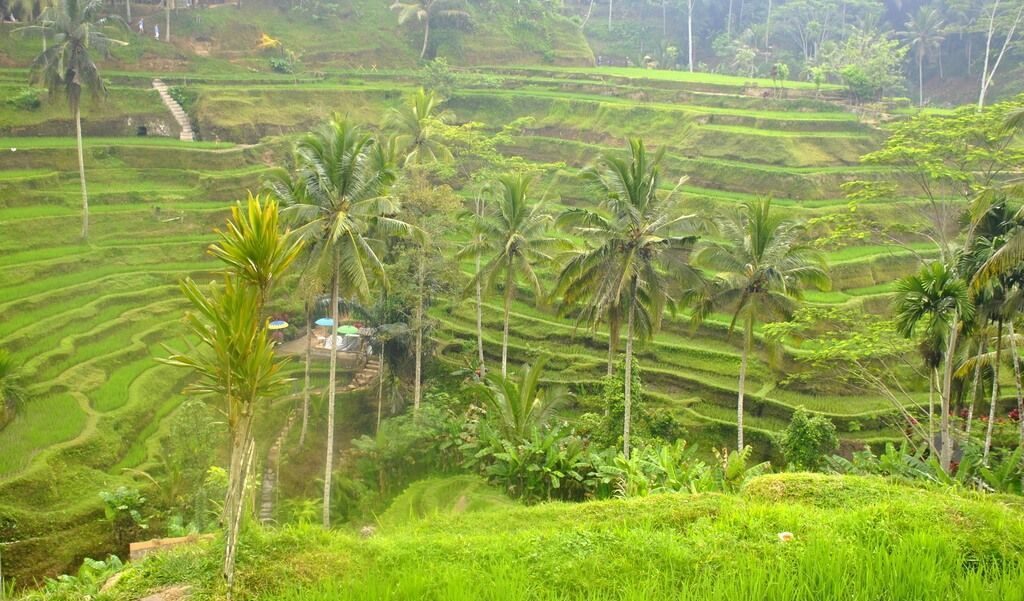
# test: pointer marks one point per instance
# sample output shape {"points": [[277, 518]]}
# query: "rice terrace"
{"points": [[503, 300]]}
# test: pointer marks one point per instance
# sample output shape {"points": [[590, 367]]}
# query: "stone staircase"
{"points": [[187, 135], [366, 376]]}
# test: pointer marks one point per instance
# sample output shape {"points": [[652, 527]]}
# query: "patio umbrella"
{"points": [[325, 322], [348, 330], [277, 325]]}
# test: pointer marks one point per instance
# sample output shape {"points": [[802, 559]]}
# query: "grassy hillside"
{"points": [[89, 320], [853, 538]]}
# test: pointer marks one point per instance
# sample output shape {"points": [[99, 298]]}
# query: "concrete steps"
{"points": [[187, 135]]}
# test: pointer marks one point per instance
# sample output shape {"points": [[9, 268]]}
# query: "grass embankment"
{"points": [[854, 539]]}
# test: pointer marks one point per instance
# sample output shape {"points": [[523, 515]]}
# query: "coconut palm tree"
{"points": [[67, 67], [415, 126], [514, 238], [935, 298], [639, 242], [236, 360], [761, 269], [425, 10], [519, 405], [925, 34], [338, 193]]}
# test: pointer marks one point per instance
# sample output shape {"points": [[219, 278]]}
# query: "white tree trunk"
{"points": [[504, 334], [1016, 380], [418, 384], [426, 37], [768, 25], [380, 387], [128, 11], [305, 385], [480, 321], [332, 379], [988, 75], [611, 4], [81, 173], [977, 386], [995, 394], [728, 22], [748, 335], [167, 25], [241, 449], [945, 433], [627, 415], [689, 33]]}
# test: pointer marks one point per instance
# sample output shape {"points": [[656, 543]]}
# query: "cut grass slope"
{"points": [[854, 539]]}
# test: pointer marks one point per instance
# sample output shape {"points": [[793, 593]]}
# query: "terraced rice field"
{"points": [[89, 320]]}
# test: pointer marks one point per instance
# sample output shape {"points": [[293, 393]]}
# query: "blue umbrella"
{"points": [[325, 322]]}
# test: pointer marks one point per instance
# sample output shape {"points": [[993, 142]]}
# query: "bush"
{"points": [[184, 96], [26, 100], [808, 441]]}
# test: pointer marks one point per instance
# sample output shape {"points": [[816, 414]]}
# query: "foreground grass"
{"points": [[855, 539]]}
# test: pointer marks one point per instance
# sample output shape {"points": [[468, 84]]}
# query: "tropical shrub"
{"points": [[808, 440], [25, 100]]}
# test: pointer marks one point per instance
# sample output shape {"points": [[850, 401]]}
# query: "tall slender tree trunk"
{"points": [[1015, 357], [613, 343], [480, 321], [418, 384], [426, 38], [331, 393], [504, 333], [81, 173], [128, 11], [689, 33], [920, 78], [932, 379], [748, 336], [305, 385], [590, 11], [664, 19], [167, 25], [977, 387], [768, 25], [611, 5], [945, 433], [995, 393], [627, 415], [380, 387]]}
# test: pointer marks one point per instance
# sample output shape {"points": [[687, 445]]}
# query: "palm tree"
{"points": [[937, 298], [425, 10], [925, 34], [415, 125], [337, 192], [66, 68], [636, 250], [237, 361], [761, 270], [514, 238], [520, 405], [474, 248]]}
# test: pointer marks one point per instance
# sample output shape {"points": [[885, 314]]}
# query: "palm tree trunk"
{"points": [[627, 415], [167, 31], [380, 387], [81, 173], [480, 320], [426, 37], [418, 384], [946, 457], [128, 11], [504, 334], [1016, 380], [920, 78], [331, 386], [768, 25], [728, 22], [978, 386], [689, 33], [611, 4], [305, 385], [995, 394], [748, 335], [932, 378], [613, 343]]}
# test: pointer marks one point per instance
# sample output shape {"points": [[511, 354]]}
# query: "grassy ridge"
{"points": [[854, 538]]}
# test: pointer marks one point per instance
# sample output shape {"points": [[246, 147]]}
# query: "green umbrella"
{"points": [[348, 330]]}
